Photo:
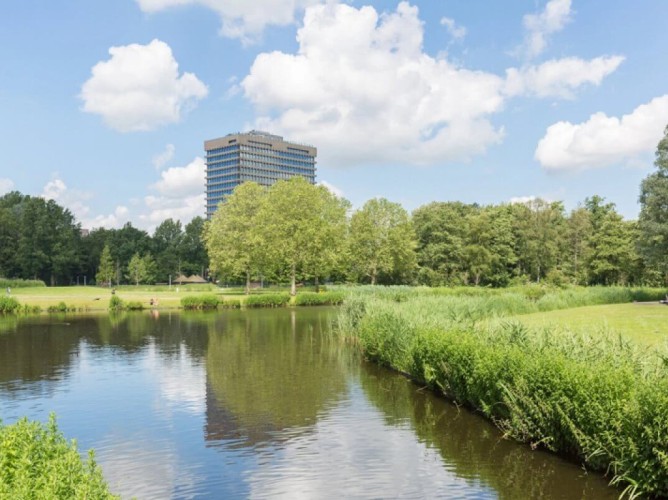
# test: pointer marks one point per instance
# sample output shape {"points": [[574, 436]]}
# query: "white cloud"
{"points": [[241, 19], [164, 157], [139, 88], [362, 80], [604, 140], [559, 77], [538, 26], [523, 200], [114, 220], [180, 194], [72, 199], [456, 32], [332, 189], [6, 185]]}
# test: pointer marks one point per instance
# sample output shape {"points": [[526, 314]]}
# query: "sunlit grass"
{"points": [[646, 323]]}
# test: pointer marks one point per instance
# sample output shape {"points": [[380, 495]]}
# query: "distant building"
{"points": [[253, 156]]}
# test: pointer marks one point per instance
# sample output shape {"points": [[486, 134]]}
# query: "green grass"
{"points": [[645, 323]]}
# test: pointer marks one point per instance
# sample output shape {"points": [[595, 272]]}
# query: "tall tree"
{"points": [[233, 236], [442, 230], [653, 220], [303, 229], [106, 270], [192, 251], [167, 239], [382, 242]]}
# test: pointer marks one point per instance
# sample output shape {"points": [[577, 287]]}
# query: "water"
{"points": [[257, 404]]}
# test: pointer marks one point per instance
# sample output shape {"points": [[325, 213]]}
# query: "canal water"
{"points": [[259, 404]]}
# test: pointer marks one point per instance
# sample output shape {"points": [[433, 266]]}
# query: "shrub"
{"points": [[9, 305], [20, 283], [319, 299], [61, 307], [115, 303], [133, 305], [268, 300], [36, 461], [192, 302], [230, 304]]}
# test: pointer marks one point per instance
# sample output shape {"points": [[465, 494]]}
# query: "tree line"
{"points": [[41, 240], [295, 231]]}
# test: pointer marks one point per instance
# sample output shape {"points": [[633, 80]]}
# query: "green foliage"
{"points": [[600, 399], [36, 461], [141, 269], [106, 271], [115, 303], [133, 305], [9, 305], [382, 242], [268, 300], [199, 302], [61, 307], [319, 299], [20, 283]]}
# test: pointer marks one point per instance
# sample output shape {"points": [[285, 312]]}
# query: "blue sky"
{"points": [[104, 106]]}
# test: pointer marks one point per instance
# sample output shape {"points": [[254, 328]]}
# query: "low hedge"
{"points": [[268, 300], [193, 302], [319, 299]]}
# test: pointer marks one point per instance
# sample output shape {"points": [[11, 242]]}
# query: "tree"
{"points": [[192, 252], [233, 236], [141, 269], [442, 230], [653, 220], [613, 251], [579, 230], [167, 239], [382, 242], [302, 229], [538, 227], [105, 270]]}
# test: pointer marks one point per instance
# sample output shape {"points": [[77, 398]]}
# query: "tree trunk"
{"points": [[247, 282], [317, 284], [373, 276], [293, 284]]}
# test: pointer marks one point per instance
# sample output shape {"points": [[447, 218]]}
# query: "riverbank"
{"points": [[598, 398], [90, 298]]}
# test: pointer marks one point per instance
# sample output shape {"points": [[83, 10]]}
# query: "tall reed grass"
{"points": [[597, 398], [20, 283]]}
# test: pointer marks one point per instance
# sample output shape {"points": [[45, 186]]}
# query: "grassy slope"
{"points": [[646, 323]]}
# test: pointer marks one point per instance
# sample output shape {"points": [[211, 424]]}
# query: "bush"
{"points": [[61, 307], [19, 283], [115, 303], [230, 304], [193, 302], [133, 305], [319, 299], [268, 300], [36, 461], [9, 305]]}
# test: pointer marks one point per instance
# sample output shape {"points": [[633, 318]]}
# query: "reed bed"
{"points": [[319, 299], [199, 302], [599, 399]]}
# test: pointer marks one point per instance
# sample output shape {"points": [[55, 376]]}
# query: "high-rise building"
{"points": [[253, 156]]}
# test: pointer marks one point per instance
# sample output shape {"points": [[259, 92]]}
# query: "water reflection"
{"points": [[257, 404]]}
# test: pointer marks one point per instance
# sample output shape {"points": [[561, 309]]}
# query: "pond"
{"points": [[259, 404]]}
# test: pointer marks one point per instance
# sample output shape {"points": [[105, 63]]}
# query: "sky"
{"points": [[105, 105]]}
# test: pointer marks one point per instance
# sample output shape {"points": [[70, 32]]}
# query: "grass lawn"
{"points": [[642, 322], [97, 298]]}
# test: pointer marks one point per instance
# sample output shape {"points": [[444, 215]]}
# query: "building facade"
{"points": [[252, 156]]}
